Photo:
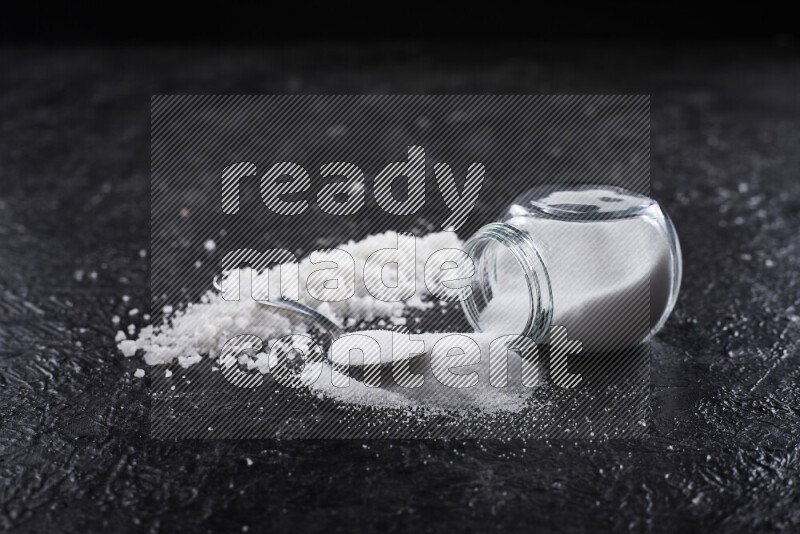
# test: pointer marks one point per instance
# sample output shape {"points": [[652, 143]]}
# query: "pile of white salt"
{"points": [[199, 332], [202, 328]]}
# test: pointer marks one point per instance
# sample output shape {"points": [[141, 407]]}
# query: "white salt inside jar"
{"points": [[601, 261]]}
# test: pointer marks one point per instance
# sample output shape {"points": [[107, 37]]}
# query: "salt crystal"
{"points": [[188, 361], [128, 347], [139, 373], [209, 245]]}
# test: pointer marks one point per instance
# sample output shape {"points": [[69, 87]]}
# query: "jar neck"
{"points": [[483, 248]]}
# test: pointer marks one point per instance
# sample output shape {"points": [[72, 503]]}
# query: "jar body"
{"points": [[600, 261]]}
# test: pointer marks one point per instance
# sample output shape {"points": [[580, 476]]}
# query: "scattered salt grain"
{"points": [[139, 373], [168, 373], [120, 336], [128, 347], [209, 245], [188, 361], [134, 311]]}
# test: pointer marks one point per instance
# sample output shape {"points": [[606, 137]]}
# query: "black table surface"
{"points": [[723, 447]]}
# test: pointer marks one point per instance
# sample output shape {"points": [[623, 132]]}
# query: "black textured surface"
{"points": [[723, 450]]}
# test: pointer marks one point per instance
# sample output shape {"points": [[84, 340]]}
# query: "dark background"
{"points": [[360, 21], [723, 452]]}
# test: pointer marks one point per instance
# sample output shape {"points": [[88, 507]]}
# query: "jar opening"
{"points": [[511, 291]]}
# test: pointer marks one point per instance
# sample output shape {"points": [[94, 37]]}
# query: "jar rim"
{"points": [[602, 202], [524, 250]]}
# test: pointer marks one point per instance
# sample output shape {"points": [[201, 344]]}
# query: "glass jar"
{"points": [[601, 261]]}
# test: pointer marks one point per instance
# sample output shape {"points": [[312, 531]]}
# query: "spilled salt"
{"points": [[434, 388], [201, 329]]}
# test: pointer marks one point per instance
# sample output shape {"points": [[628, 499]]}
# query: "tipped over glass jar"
{"points": [[601, 261]]}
